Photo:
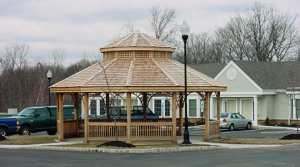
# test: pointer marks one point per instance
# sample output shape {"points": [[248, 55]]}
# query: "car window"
{"points": [[42, 112], [233, 116], [240, 116]]}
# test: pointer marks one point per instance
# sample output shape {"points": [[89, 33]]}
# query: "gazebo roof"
{"points": [[151, 73], [137, 41]]}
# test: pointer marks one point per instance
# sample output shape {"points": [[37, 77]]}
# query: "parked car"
{"points": [[8, 126], [43, 118], [119, 112], [233, 121]]}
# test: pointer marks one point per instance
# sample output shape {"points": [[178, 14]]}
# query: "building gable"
{"points": [[237, 80]]}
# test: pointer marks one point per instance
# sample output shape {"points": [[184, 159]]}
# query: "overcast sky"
{"points": [[80, 27]]}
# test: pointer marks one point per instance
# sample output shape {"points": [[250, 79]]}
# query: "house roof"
{"points": [[138, 41], [268, 75]]}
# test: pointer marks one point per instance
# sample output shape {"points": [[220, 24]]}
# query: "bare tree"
{"points": [[56, 57], [162, 22], [14, 57], [262, 35]]}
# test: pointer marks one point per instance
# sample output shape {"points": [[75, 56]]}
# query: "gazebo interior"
{"points": [[139, 66]]}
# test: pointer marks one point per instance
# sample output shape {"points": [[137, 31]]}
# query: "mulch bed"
{"points": [[116, 144], [2, 138], [291, 137]]}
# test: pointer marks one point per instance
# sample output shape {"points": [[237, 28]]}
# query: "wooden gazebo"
{"points": [[136, 63]]}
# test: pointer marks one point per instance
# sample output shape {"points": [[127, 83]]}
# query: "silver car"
{"points": [[232, 121]]}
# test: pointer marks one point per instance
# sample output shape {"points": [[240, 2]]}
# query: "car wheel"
{"points": [[3, 131], [51, 132], [231, 127], [25, 130], [249, 126]]}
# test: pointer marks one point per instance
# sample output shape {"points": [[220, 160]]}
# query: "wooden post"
{"points": [[60, 115], [144, 104], [207, 115], [128, 108], [75, 98], [180, 114], [107, 105], [174, 109], [86, 116], [218, 112]]}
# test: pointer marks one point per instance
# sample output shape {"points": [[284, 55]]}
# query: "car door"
{"points": [[41, 119], [242, 121], [233, 120]]}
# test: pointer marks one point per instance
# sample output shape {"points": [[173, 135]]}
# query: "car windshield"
{"points": [[224, 115], [26, 112]]}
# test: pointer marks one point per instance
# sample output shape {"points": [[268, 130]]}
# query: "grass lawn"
{"points": [[25, 140], [266, 141]]}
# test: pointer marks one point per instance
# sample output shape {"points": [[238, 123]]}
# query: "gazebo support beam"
{"points": [[174, 109], [75, 99], [207, 115], [128, 108], [107, 105], [86, 116], [180, 114], [144, 104], [60, 115], [218, 111]]}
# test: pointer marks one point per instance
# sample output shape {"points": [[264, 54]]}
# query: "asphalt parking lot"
{"points": [[254, 133]]}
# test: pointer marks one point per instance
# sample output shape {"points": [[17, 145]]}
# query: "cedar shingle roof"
{"points": [[136, 40], [136, 72], [148, 68]]}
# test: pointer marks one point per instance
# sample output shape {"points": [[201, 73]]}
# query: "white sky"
{"points": [[80, 27]]}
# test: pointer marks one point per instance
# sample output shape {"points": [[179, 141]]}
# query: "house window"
{"points": [[201, 108], [157, 107], [117, 102], [102, 107], [167, 107], [192, 107], [93, 106], [135, 102], [297, 108]]}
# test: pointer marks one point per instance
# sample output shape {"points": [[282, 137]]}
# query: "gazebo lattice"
{"points": [[136, 63]]}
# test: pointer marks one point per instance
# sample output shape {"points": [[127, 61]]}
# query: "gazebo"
{"points": [[134, 64]]}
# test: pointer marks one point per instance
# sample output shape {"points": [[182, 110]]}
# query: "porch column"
{"points": [[174, 109], [206, 115], [218, 111], [86, 116], [180, 114], [255, 121], [128, 108], [60, 115], [75, 98]]}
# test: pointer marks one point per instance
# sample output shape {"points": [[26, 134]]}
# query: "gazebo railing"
{"points": [[138, 130]]}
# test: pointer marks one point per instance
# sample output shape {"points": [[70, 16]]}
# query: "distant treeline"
{"points": [[23, 85]]}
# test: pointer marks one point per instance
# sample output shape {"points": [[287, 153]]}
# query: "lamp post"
{"points": [[49, 77], [186, 134]]}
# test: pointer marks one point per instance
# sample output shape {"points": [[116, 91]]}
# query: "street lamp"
{"points": [[186, 135], [49, 76]]}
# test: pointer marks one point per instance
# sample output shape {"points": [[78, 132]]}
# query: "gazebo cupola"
{"points": [[135, 64]]}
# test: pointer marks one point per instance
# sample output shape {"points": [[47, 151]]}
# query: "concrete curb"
{"points": [[120, 150], [276, 127]]}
